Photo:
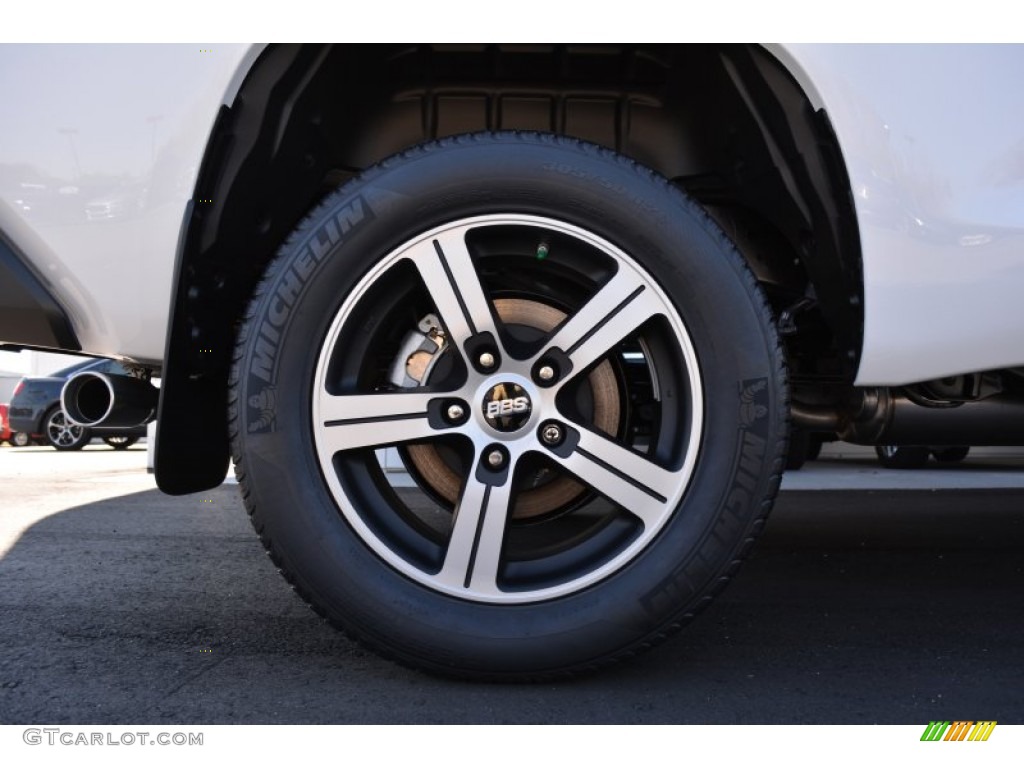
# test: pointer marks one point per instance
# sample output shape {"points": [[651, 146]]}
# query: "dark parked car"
{"points": [[35, 409]]}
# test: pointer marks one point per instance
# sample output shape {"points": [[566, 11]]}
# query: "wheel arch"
{"points": [[732, 125], [43, 416]]}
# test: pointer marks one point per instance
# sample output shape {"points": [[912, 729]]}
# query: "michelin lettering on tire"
{"points": [[751, 446], [751, 451], [283, 297]]}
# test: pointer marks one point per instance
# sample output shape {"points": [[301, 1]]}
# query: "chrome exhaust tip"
{"points": [[108, 400]]}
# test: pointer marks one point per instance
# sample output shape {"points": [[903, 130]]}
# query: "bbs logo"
{"points": [[505, 407]]}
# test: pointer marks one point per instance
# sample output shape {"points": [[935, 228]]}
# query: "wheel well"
{"points": [[726, 123]]}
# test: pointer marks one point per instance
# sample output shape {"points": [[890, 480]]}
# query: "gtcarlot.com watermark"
{"points": [[67, 738]]}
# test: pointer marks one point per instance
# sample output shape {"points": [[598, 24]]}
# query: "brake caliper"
{"points": [[419, 351]]}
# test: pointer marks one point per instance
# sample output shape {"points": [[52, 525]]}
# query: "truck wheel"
{"points": [[580, 384]]}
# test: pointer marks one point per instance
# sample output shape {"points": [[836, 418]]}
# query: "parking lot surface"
{"points": [[867, 601]]}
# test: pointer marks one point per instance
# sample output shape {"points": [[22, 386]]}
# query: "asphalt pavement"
{"points": [[864, 603]]}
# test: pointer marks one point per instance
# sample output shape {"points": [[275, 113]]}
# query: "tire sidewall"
{"points": [[674, 241]]}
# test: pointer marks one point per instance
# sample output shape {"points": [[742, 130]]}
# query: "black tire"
{"points": [[902, 456], [120, 442], [952, 454], [61, 434], [572, 581], [21, 439]]}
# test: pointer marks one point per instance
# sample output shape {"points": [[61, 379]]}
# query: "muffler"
{"points": [[109, 400]]}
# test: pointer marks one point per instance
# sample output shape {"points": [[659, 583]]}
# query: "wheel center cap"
{"points": [[507, 407]]}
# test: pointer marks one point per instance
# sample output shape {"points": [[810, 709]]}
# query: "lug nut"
{"points": [[455, 412], [495, 459], [545, 373], [486, 360], [551, 434]]}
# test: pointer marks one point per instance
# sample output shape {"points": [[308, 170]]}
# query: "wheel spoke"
{"points": [[362, 421], [474, 549], [447, 269], [620, 307], [632, 481]]}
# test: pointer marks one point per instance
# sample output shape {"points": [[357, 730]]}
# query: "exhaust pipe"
{"points": [[884, 416], [109, 400]]}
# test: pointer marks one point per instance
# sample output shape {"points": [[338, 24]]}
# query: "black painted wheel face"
{"points": [[504, 432]]}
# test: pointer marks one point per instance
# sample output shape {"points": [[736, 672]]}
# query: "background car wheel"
{"points": [[799, 445], [20, 439], [62, 434], [120, 442], [814, 445], [952, 454], [577, 373], [902, 456]]}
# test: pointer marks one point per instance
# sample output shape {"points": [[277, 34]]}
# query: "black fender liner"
{"points": [[30, 317]]}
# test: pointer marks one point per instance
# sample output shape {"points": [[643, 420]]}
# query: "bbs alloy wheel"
{"points": [[586, 467], [508, 406]]}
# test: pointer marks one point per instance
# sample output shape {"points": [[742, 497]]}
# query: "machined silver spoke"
{"points": [[63, 432], [447, 270], [632, 481], [363, 421], [620, 307], [474, 549]]}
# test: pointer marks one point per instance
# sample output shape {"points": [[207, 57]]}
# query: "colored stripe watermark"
{"points": [[958, 730]]}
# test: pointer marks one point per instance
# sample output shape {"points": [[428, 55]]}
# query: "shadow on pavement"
{"points": [[858, 607]]}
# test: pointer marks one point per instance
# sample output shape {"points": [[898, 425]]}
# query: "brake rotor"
{"points": [[548, 491]]}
